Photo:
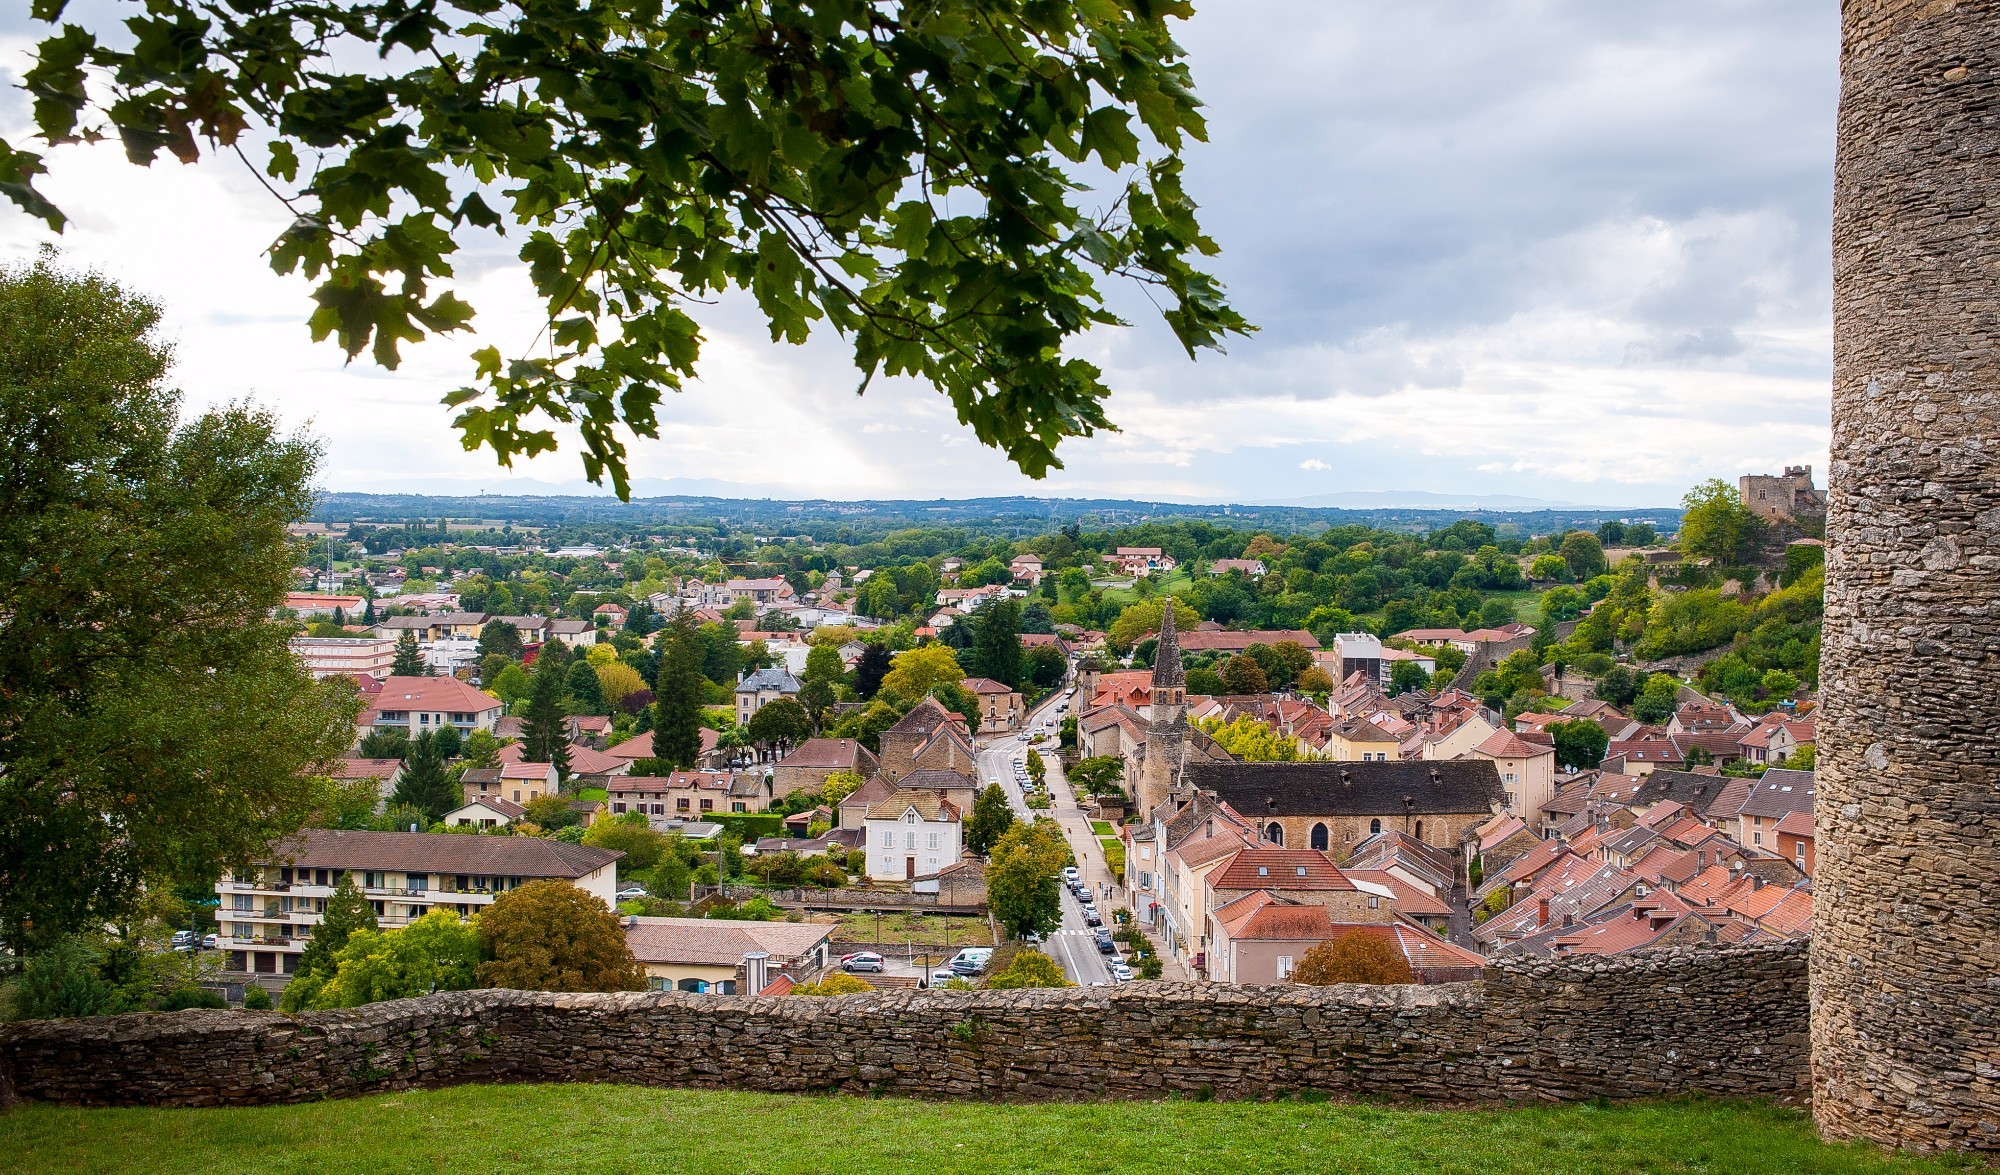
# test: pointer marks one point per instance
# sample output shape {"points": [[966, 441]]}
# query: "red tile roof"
{"points": [[1279, 869]]}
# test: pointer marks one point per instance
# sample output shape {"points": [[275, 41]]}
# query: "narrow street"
{"points": [[1073, 945]]}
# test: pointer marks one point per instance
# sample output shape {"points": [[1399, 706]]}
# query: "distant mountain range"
{"points": [[727, 491], [1426, 500]]}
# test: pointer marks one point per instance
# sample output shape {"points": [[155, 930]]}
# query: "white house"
{"points": [[911, 834], [488, 812]]}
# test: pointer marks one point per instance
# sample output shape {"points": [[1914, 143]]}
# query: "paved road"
{"points": [[1073, 945]]}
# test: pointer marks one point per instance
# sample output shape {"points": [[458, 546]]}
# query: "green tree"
{"points": [[154, 726], [347, 911], [1242, 675], [642, 847], [500, 638], [545, 725], [435, 953], [425, 785], [1580, 743], [677, 691], [1405, 676], [870, 670], [1038, 770], [1098, 775], [584, 692], [820, 159], [1657, 699], [1143, 619], [409, 661], [386, 742], [65, 979], [991, 818], [511, 684], [1023, 885], [915, 673], [552, 936], [1548, 567], [1028, 969], [256, 999], [1619, 685], [1715, 523], [996, 642], [1583, 553], [780, 723]]}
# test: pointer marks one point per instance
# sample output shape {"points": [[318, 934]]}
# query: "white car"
{"points": [[1070, 874], [1119, 970], [632, 891], [862, 961]]}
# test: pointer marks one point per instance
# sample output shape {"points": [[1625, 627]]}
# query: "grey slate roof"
{"points": [[1446, 786], [1167, 669], [769, 679]]}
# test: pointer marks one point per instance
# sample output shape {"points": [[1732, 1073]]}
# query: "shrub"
{"points": [[838, 983], [1028, 969], [182, 998], [256, 999], [1150, 967]]}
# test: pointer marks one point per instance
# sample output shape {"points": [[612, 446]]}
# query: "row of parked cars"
{"points": [[185, 940], [1098, 930], [966, 964]]}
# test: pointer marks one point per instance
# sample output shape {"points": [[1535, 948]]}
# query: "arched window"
{"points": [[1319, 837], [1374, 826], [694, 985], [1274, 834], [1420, 830]]}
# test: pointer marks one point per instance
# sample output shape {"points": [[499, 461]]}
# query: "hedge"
{"points": [[749, 826]]}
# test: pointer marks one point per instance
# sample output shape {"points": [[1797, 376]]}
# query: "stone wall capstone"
{"points": [[1728, 1021]]}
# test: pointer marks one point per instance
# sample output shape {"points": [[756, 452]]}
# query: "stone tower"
{"points": [[1906, 926], [1166, 720]]}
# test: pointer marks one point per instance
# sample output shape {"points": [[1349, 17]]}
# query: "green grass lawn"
{"points": [[584, 1128], [1103, 828]]}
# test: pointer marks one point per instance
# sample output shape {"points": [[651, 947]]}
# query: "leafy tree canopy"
{"points": [[154, 727], [902, 174], [552, 936], [1354, 957]]}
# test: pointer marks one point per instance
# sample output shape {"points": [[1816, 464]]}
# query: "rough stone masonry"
{"points": [[1906, 926], [1727, 1021]]}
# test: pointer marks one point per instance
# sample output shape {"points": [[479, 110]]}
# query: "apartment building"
{"points": [[332, 656], [267, 909]]}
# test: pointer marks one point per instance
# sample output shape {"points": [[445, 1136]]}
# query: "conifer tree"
{"points": [[409, 660], [425, 785], [677, 692], [347, 911], [545, 738]]}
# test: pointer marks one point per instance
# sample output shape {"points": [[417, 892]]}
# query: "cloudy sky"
{"points": [[1562, 250]]}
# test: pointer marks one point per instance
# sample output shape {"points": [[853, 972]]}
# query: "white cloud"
{"points": [[1551, 248]]}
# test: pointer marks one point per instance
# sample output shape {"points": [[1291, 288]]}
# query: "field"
{"points": [[585, 1128]]}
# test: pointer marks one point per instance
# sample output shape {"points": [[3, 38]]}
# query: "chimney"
{"points": [[1569, 919], [1756, 883], [1542, 912], [756, 971]]}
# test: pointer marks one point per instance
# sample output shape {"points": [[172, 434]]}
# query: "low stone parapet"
{"points": [[1727, 1021]]}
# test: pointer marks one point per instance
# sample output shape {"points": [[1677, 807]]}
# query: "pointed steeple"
{"points": [[1167, 669]]}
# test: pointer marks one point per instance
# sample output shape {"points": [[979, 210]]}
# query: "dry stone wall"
{"points": [[1728, 1021], [1906, 976]]}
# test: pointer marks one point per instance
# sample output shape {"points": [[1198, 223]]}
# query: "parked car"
{"points": [[971, 960], [1106, 947], [943, 976], [1120, 971], [184, 940], [208, 942], [1090, 917], [632, 891], [862, 961], [1070, 874]]}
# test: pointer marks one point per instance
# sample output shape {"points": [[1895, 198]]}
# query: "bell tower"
{"points": [[1166, 719]]}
